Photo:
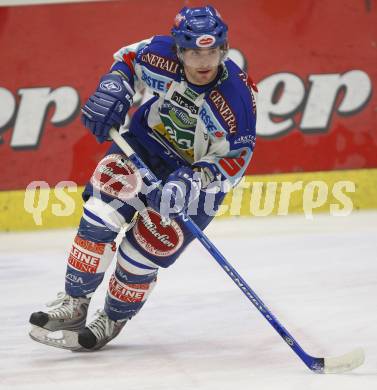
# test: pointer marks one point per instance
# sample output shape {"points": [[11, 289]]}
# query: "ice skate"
{"points": [[99, 332], [91, 338], [67, 313]]}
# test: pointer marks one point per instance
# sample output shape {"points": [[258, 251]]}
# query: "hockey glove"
{"points": [[180, 190], [108, 106]]}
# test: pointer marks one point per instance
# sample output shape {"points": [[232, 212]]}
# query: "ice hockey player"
{"points": [[196, 134]]}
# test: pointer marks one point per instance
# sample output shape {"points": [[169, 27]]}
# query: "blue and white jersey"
{"points": [[211, 126]]}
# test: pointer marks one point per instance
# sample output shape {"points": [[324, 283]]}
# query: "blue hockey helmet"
{"points": [[200, 27]]}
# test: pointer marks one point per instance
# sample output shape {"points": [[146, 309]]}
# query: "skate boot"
{"points": [[67, 313], [99, 332]]}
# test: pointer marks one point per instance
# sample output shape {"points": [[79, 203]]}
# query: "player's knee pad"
{"points": [[116, 182], [150, 243], [100, 222], [87, 263], [128, 292]]}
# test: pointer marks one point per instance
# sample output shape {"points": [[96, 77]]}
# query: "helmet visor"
{"points": [[202, 58]]}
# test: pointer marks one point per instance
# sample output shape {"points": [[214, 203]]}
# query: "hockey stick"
{"points": [[343, 363]]}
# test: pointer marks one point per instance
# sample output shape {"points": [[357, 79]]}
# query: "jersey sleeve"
{"points": [[230, 156], [234, 163], [126, 59], [230, 119]]}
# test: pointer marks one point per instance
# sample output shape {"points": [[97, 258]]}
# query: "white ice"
{"points": [[198, 331]]}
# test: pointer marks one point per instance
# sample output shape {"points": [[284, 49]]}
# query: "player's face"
{"points": [[201, 64]]}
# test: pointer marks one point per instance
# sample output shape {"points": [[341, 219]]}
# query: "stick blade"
{"points": [[344, 363]]}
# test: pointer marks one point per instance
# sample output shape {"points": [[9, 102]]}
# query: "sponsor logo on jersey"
{"points": [[178, 126], [245, 139], [160, 62], [207, 118], [177, 115], [184, 102], [82, 261], [155, 238], [154, 82], [224, 110], [205, 40], [183, 139], [251, 86], [110, 85], [190, 93], [132, 293], [117, 176]]}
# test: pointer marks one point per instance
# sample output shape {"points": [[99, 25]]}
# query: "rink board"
{"points": [[259, 195], [324, 119]]}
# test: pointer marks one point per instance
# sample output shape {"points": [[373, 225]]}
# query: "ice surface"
{"points": [[198, 331]]}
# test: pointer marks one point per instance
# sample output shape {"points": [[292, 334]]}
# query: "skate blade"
{"points": [[64, 339]]}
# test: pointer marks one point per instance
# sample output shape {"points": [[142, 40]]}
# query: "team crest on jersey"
{"points": [[117, 176], [155, 238]]}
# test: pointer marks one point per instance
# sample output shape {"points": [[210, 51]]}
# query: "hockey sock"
{"points": [[91, 254], [127, 293]]}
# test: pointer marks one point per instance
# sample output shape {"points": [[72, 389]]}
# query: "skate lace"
{"points": [[101, 326], [65, 306]]}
